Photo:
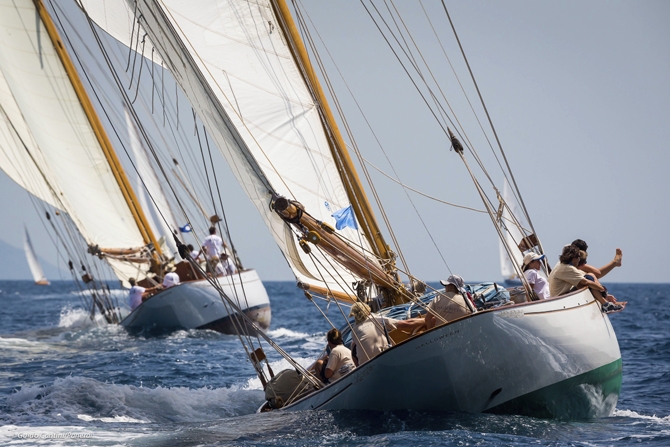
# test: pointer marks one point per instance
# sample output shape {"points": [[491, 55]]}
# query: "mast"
{"points": [[98, 129], [350, 179]]}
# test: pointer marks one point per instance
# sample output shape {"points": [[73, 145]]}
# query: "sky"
{"points": [[578, 93]]}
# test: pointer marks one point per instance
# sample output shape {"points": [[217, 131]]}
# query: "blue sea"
{"points": [[66, 380]]}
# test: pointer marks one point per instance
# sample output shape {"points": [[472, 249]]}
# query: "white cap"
{"points": [[455, 280], [530, 257]]}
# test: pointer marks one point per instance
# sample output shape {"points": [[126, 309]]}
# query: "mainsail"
{"points": [[236, 66], [45, 123], [33, 262]]}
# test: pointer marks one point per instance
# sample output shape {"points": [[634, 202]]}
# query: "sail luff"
{"points": [[98, 128], [350, 179]]}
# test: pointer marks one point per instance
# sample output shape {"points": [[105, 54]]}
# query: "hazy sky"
{"points": [[579, 94]]}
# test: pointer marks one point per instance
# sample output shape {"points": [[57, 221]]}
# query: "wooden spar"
{"points": [[341, 252], [350, 179], [98, 129]]}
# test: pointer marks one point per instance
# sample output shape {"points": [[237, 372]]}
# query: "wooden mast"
{"points": [[98, 129], [345, 166]]}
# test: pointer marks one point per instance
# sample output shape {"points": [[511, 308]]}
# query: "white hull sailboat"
{"points": [[566, 363], [34, 264], [248, 75], [56, 147], [197, 305]]}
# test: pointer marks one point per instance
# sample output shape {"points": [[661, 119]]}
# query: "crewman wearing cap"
{"points": [[171, 278], [449, 305], [531, 270]]}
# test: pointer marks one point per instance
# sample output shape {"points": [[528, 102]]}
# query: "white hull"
{"points": [[553, 358], [197, 305]]}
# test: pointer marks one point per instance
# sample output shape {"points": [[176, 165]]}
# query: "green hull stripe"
{"points": [[590, 395]]}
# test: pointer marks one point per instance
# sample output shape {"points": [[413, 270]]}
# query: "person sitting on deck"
{"points": [[171, 278], [370, 332], [223, 266], [338, 362], [449, 305], [531, 270], [602, 271], [193, 252], [566, 277]]}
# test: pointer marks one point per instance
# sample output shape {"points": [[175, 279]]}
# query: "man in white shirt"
{"points": [[212, 245], [135, 294], [171, 278]]}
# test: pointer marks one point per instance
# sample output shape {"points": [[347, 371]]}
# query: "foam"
{"points": [[73, 399], [664, 420]]}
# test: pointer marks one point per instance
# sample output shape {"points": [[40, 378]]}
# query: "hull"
{"points": [[555, 358], [197, 305]]}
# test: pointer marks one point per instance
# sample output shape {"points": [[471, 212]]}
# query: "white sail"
{"points": [[513, 236], [233, 63], [33, 263], [19, 157], [63, 136], [150, 193]]}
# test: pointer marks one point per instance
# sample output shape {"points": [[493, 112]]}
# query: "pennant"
{"points": [[186, 228], [345, 218]]}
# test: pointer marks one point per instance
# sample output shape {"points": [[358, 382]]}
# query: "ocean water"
{"points": [[65, 380]]}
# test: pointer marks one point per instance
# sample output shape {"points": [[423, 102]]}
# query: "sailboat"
{"points": [[247, 73], [57, 148], [34, 264], [513, 237]]}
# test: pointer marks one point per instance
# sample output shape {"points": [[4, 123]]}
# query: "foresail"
{"points": [[64, 141], [232, 61]]}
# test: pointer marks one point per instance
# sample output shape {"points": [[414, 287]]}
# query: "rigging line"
{"points": [[458, 79], [124, 95], [137, 44], [163, 90], [152, 80], [225, 221], [488, 117], [132, 33], [492, 214], [265, 337], [430, 90], [139, 75], [308, 38], [73, 241], [423, 97], [419, 192], [362, 159], [175, 24]]}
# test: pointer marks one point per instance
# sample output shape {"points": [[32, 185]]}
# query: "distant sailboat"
{"points": [[513, 237], [33, 263]]}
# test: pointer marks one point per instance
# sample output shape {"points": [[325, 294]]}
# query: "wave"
{"points": [[79, 399], [663, 420]]}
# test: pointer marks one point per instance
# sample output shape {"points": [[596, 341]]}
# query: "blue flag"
{"points": [[345, 218], [186, 228]]}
